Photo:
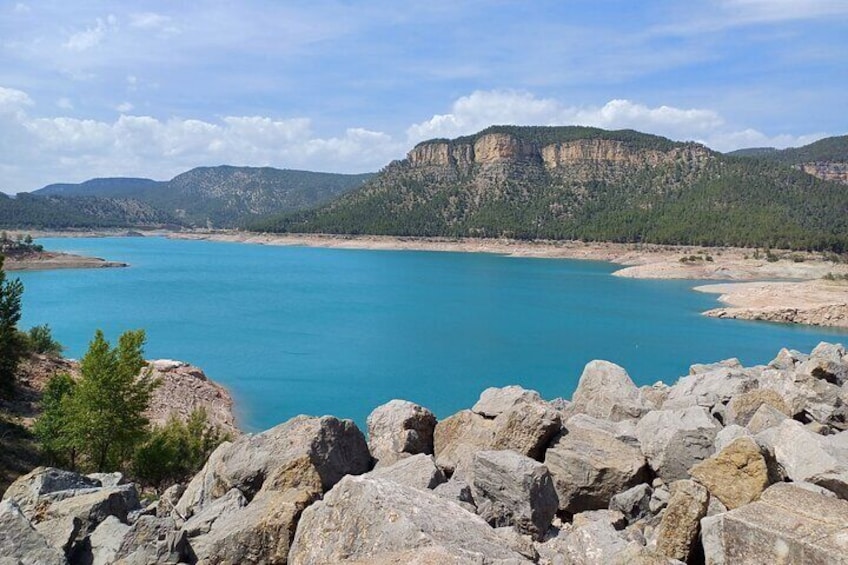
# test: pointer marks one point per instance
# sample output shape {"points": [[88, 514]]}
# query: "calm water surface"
{"points": [[293, 330]]}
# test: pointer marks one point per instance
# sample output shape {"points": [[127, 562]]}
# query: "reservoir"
{"points": [[298, 330]]}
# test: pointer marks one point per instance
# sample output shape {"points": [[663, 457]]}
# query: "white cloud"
{"points": [[35, 151], [151, 21], [124, 107], [65, 103], [755, 11], [21, 8], [91, 36]]}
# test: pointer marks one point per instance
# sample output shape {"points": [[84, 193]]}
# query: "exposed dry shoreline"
{"points": [[48, 260], [794, 291]]}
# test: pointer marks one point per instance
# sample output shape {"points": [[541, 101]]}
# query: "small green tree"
{"points": [[11, 348], [105, 414], [40, 340], [52, 427]]}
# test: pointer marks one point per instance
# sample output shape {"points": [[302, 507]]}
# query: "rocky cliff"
{"points": [[731, 464], [827, 170], [589, 184]]}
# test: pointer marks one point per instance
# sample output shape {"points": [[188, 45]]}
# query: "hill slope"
{"points": [[826, 158], [585, 183], [206, 196]]}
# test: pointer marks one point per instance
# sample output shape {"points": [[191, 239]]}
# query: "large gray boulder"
{"points": [[459, 437], [495, 401], [399, 429], [674, 440], [21, 543], [512, 490], [418, 471], [806, 456], [303, 446], [104, 542], [92, 508], [634, 503], [827, 362], [681, 521], [589, 466], [153, 539], [709, 388], [28, 490], [367, 520], [526, 428], [787, 524], [606, 391]]}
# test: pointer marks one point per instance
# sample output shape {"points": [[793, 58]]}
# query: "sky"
{"points": [[153, 88]]}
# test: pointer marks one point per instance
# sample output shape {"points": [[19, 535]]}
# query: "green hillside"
{"points": [[620, 186]]}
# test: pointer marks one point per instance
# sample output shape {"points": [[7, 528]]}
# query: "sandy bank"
{"points": [[50, 260]]}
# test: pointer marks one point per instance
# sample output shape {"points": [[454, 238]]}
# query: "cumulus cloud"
{"points": [[35, 151], [91, 36]]}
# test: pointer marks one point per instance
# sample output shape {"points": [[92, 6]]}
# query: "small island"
{"points": [[23, 254]]}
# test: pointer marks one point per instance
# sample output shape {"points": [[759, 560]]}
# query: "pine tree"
{"points": [[11, 347], [105, 414]]}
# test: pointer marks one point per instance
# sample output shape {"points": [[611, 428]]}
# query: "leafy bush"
{"points": [[50, 428], [40, 340]]}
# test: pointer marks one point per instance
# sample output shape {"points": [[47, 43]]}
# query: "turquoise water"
{"points": [[293, 330]]}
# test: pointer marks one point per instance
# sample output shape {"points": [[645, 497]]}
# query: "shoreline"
{"points": [[51, 260], [785, 287]]}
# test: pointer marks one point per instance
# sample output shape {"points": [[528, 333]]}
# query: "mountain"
{"points": [[586, 183], [58, 212], [826, 158], [107, 187], [222, 196]]}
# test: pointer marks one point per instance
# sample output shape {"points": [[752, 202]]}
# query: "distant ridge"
{"points": [[590, 184], [826, 158], [219, 197]]}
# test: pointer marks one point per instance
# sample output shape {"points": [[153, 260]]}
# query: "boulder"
{"points": [[593, 542], [168, 499], [20, 543], [261, 532], [624, 431], [589, 466], [728, 435], [606, 391], [787, 359], [61, 533], [28, 490], [674, 440], [108, 479], [94, 507], [457, 491], [764, 418], [736, 475], [742, 407], [367, 520], [221, 508], [303, 446], [634, 503], [153, 539], [495, 401], [827, 362], [700, 368], [459, 437], [710, 388], [104, 543], [526, 428], [417, 471], [787, 524], [806, 456], [513, 490], [681, 522], [399, 429]]}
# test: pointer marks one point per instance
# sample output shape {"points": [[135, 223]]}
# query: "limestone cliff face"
{"points": [[827, 170], [602, 151]]}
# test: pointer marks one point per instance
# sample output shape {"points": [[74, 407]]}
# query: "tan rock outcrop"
{"points": [[736, 475]]}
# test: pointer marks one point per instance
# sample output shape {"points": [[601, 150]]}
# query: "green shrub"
{"points": [[40, 340]]}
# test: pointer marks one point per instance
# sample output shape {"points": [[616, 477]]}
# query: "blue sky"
{"points": [[154, 88]]}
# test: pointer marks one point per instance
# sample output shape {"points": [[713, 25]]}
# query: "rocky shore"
{"points": [[48, 260], [730, 465]]}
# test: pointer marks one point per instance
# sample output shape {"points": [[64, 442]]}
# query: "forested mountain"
{"points": [[585, 183], [826, 158], [206, 197]]}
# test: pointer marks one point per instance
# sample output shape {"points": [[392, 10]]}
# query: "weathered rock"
{"points": [[457, 491], [92, 508], [787, 359], [827, 362], [513, 490], [61, 533], [104, 542], [399, 429], [764, 418], [526, 428], [806, 456], [624, 431], [700, 368], [495, 401], [709, 389], [728, 435], [168, 499], [459, 437], [655, 395], [612, 517], [634, 503], [736, 475], [589, 467], [153, 540], [108, 479], [327, 446], [27, 490], [366, 520], [742, 407], [786, 525], [418, 471], [593, 542], [659, 499], [678, 530], [261, 532], [219, 509], [674, 440], [606, 391], [21, 543]]}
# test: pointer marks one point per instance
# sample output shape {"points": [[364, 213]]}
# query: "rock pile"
{"points": [[730, 465]]}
